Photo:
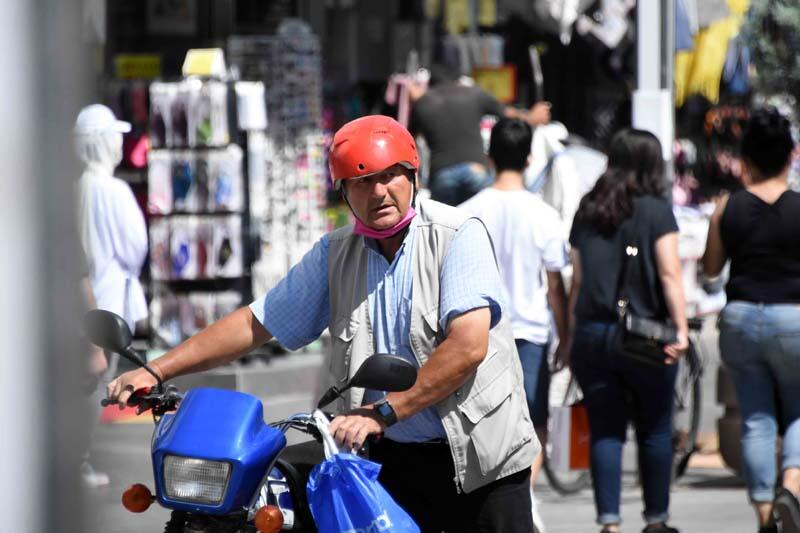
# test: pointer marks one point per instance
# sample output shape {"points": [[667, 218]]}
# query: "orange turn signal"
{"points": [[137, 498], [269, 519]]}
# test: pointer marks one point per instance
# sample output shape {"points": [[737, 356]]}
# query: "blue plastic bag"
{"points": [[345, 497]]}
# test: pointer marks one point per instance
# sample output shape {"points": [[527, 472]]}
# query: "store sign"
{"points": [[137, 66], [500, 82], [204, 62]]}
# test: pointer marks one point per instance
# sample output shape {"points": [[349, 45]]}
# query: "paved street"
{"points": [[705, 500]]}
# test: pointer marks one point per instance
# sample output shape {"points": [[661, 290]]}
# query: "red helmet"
{"points": [[368, 145]]}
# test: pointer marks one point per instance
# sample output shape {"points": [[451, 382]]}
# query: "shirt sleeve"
{"points": [[469, 277], [662, 219], [554, 249], [296, 310], [489, 104]]}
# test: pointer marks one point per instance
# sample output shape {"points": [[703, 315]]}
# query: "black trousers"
{"points": [[421, 479]]}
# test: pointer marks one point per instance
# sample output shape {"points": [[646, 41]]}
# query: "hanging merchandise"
{"points": [[226, 255], [559, 16], [196, 312], [160, 260], [225, 179], [286, 165], [700, 71], [185, 188], [251, 105], [165, 318], [183, 248], [207, 112], [159, 183]]}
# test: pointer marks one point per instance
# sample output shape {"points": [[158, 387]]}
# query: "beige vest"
{"points": [[486, 419]]}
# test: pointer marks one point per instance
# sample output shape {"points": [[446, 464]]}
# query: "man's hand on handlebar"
{"points": [[351, 429], [121, 389]]}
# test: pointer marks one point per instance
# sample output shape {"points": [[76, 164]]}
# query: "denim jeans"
{"points": [[536, 379], [760, 345], [616, 390], [458, 183]]}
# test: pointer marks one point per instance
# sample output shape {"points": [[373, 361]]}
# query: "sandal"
{"points": [[787, 510]]}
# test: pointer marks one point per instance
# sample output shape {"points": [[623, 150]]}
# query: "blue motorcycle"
{"points": [[216, 464]]}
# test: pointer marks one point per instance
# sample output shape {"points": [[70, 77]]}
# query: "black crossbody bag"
{"points": [[640, 338]]}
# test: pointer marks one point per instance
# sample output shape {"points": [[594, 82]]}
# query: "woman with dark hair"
{"points": [[758, 229], [627, 206]]}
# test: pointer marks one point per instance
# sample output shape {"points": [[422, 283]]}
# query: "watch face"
{"points": [[386, 411]]}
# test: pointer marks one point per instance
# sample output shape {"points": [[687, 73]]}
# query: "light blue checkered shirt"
{"points": [[295, 311]]}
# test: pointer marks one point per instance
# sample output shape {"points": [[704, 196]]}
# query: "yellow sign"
{"points": [[204, 62], [137, 66], [500, 82]]}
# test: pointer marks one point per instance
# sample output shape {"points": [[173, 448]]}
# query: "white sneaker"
{"points": [[538, 523], [91, 478]]}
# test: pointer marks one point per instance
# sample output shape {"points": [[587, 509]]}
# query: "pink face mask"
{"points": [[366, 231]]}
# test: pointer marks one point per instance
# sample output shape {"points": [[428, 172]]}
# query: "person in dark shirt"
{"points": [[626, 205], [758, 229], [448, 116]]}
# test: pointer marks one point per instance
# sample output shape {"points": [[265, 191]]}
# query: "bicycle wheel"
{"points": [[564, 482], [686, 410]]}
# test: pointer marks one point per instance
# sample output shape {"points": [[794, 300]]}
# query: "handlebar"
{"points": [[149, 399], [305, 423]]}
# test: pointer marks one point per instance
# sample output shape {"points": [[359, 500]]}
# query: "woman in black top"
{"points": [[626, 206], [758, 229]]}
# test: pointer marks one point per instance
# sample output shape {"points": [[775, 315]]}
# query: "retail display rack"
{"points": [[198, 207]]}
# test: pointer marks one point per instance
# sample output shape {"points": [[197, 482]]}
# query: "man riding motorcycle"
{"points": [[422, 285]]}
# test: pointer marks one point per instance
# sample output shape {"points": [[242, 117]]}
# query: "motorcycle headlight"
{"points": [[195, 480]]}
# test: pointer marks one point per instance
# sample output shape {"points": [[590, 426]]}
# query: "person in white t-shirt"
{"points": [[528, 242]]}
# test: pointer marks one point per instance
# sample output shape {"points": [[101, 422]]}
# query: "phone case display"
{"points": [[227, 252], [192, 181], [160, 263], [165, 318], [225, 179], [191, 113], [159, 183], [196, 312], [177, 316], [192, 247], [208, 112]]}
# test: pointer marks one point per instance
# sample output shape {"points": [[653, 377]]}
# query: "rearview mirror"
{"points": [[385, 372], [111, 332], [379, 372], [107, 330]]}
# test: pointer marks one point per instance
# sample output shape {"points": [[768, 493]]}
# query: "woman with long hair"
{"points": [[758, 229], [627, 206]]}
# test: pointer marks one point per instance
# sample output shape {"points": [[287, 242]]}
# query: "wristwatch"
{"points": [[386, 412]]}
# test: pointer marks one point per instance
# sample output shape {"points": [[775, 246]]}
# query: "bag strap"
{"points": [[629, 253]]}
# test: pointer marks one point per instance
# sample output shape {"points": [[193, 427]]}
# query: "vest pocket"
{"points": [[493, 417]]}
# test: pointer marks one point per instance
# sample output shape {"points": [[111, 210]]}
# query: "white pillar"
{"points": [[21, 466], [653, 107]]}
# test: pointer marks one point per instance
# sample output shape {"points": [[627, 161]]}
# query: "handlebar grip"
{"points": [[105, 402]]}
